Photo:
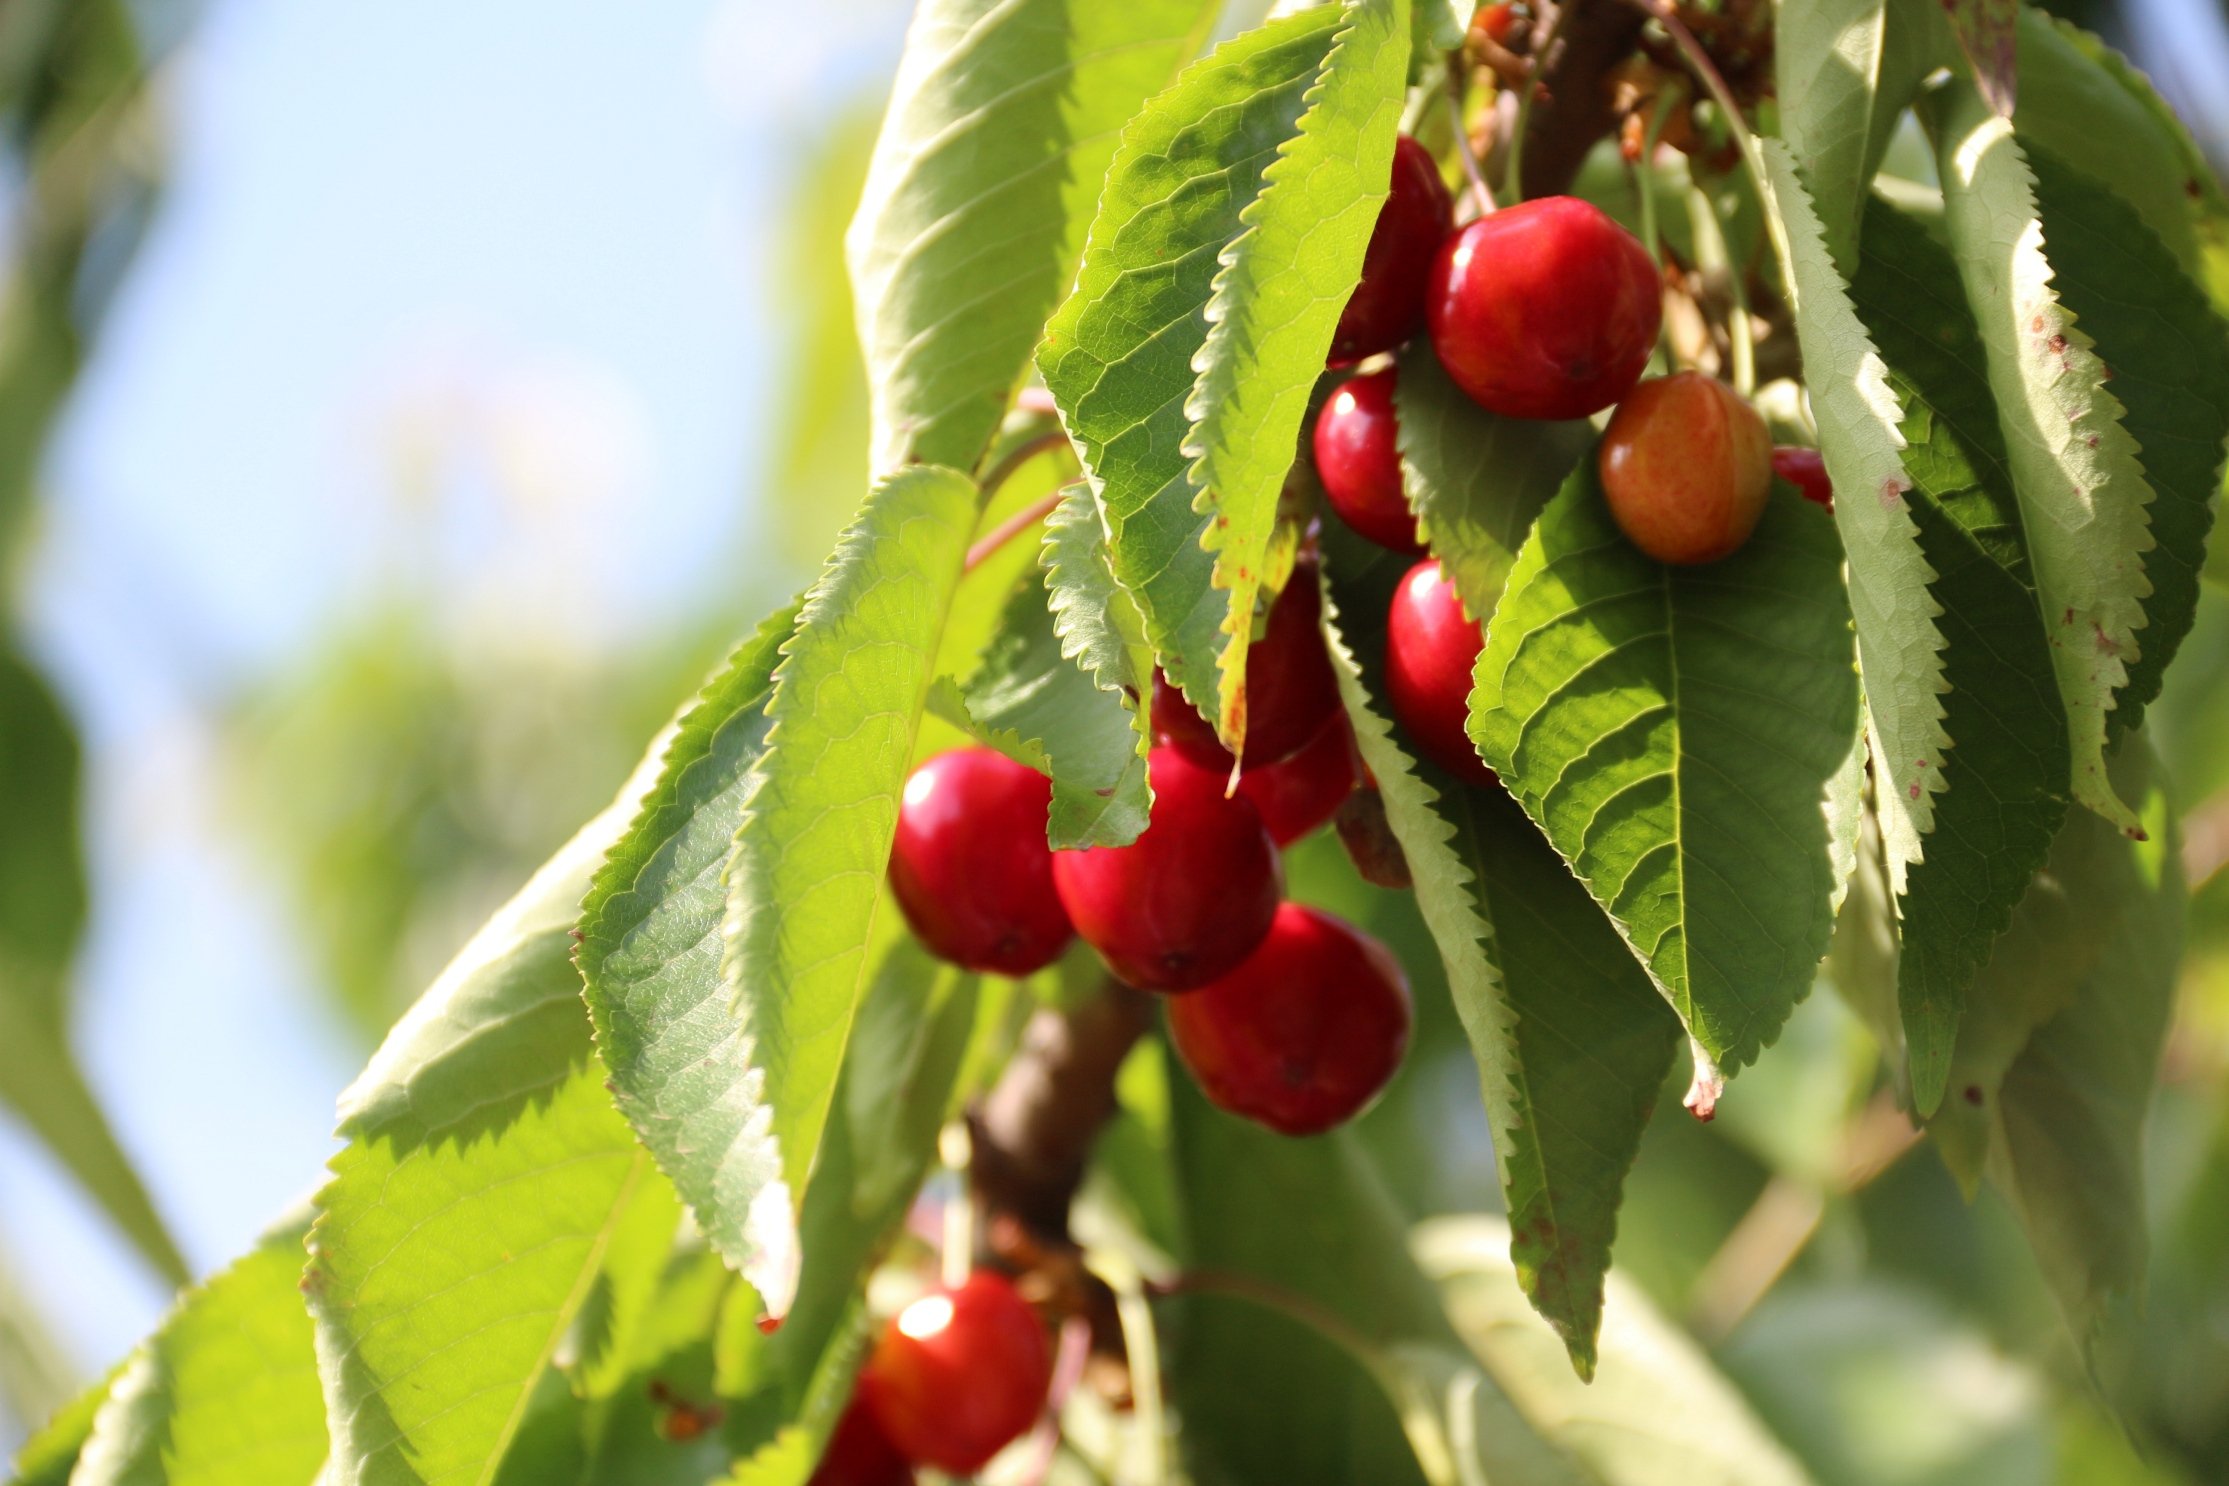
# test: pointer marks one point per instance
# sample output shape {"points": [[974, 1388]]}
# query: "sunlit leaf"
{"points": [[1846, 69]]}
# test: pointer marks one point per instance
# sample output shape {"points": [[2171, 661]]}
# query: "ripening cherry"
{"points": [[1545, 309], [1295, 795], [1686, 466], [1304, 1034], [1188, 899], [1387, 306], [1291, 691], [859, 1455], [970, 867], [1431, 644], [1358, 458], [960, 1374], [1806, 469]]}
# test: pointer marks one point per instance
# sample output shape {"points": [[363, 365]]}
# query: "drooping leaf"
{"points": [[2006, 790], [1278, 295], [2168, 355], [1000, 126], [1847, 69], [1899, 642], [2082, 493], [224, 1392], [1118, 356], [1984, 31], [1098, 622], [1675, 732], [440, 1294], [1571, 1040], [820, 807]]}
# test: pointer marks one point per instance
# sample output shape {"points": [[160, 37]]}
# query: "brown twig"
{"points": [[1012, 527], [1573, 107]]}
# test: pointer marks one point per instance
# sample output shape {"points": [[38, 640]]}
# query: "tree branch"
{"points": [[1572, 107]]}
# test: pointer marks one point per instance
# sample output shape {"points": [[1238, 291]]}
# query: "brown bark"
{"points": [[1573, 108]]}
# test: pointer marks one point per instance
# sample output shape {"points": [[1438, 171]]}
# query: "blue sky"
{"points": [[526, 234]]}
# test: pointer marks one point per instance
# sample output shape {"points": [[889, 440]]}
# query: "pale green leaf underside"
{"points": [[1846, 70], [1098, 622], [1283, 282], [225, 1392], [2082, 493], [1000, 125], [1676, 733], [1572, 1042], [1899, 643], [440, 1293], [819, 810], [1118, 357]]}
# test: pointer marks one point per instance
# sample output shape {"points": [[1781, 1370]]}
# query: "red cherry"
{"points": [[1304, 1034], [970, 867], [959, 1375], [1358, 458], [1290, 688], [1806, 469], [858, 1454], [1545, 309], [1430, 647], [1295, 795], [1686, 467], [1187, 900], [1387, 306]]}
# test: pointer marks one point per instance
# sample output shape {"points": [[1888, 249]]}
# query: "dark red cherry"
{"points": [[1304, 1034], [859, 1455], [970, 867], [1545, 309], [1806, 469], [1387, 306], [959, 1375], [1358, 458], [1430, 647], [1295, 795], [1187, 900], [1290, 688]]}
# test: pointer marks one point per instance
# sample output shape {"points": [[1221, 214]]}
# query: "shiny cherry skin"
{"points": [[1431, 644], [1358, 458], [1686, 467], [959, 1375], [1191, 897], [1806, 469], [970, 867], [1291, 691], [1295, 795], [1545, 309], [1304, 1034], [1387, 306], [858, 1454]]}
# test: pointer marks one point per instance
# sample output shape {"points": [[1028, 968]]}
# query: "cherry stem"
{"points": [[1012, 527], [1706, 72], [1482, 193]]}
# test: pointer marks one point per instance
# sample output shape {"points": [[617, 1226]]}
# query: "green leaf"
{"points": [[1118, 356], [1676, 733], [1097, 620], [669, 1367], [1000, 127], [2169, 358], [2074, 467], [1658, 1414], [440, 1296], [1572, 1042], [1984, 32], [1284, 281], [2006, 791], [1476, 480], [48, 1457], [1847, 69], [224, 1392], [1041, 708], [819, 810], [1899, 643]]}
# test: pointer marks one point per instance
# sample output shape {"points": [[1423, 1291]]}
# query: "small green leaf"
{"points": [[1899, 642], [1676, 733], [1847, 69], [1000, 126], [819, 810], [2006, 791], [1571, 1040], [2082, 493], [1118, 356], [1283, 282], [224, 1392]]}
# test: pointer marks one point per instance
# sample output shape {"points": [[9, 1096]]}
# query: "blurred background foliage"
{"points": [[396, 772]]}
